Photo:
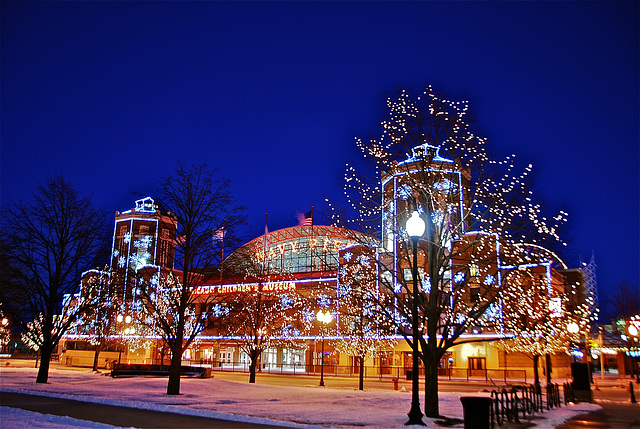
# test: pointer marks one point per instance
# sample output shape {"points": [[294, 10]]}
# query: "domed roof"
{"points": [[300, 249]]}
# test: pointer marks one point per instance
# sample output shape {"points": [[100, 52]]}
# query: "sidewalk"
{"points": [[612, 415], [117, 416]]}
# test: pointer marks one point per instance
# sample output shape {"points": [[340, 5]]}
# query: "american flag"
{"points": [[266, 242], [306, 219], [219, 234]]}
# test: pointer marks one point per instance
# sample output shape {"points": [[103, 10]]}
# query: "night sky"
{"points": [[111, 94]]}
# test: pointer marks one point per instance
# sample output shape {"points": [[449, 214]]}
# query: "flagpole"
{"points": [[264, 242], [312, 238], [222, 260]]}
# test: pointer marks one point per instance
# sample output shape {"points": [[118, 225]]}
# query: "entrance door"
{"points": [[477, 366]]}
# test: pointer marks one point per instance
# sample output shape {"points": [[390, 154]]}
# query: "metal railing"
{"points": [[553, 396], [569, 396], [512, 403], [486, 374], [379, 372]]}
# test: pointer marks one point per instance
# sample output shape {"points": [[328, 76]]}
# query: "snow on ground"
{"points": [[17, 418], [293, 406]]}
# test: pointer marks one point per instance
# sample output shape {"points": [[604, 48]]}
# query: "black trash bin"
{"points": [[581, 382], [409, 374], [477, 412]]}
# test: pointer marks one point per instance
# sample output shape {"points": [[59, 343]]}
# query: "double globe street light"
{"points": [[415, 229]]}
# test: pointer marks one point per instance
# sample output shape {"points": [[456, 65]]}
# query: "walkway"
{"points": [[117, 416]]}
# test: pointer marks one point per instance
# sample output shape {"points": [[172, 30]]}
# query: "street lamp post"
{"points": [[632, 330], [601, 341], [573, 329], [324, 318], [415, 229]]}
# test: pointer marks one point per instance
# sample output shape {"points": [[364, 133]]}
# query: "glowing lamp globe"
{"points": [[633, 331], [573, 328], [415, 225], [324, 317]]}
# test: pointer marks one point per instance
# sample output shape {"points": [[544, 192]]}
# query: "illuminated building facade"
{"points": [[312, 261], [143, 236]]}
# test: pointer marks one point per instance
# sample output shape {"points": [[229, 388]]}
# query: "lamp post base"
{"points": [[415, 417]]}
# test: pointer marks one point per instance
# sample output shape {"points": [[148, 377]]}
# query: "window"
{"points": [[473, 269], [474, 293], [143, 229], [408, 274]]}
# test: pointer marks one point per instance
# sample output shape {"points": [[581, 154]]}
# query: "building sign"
{"points": [[555, 307], [245, 288]]}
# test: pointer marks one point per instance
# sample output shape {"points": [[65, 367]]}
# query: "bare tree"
{"points": [[624, 302], [430, 160], [49, 242], [206, 213]]}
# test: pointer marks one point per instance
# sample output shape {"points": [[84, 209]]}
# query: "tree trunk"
{"points": [[361, 383], [252, 365], [95, 357], [547, 359], [177, 347], [173, 386], [431, 406], [45, 360], [536, 376]]}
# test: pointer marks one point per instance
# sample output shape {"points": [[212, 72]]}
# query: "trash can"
{"points": [[581, 382], [477, 412], [409, 374], [395, 383]]}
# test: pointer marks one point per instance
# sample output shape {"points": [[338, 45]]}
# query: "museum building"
{"points": [[311, 261]]}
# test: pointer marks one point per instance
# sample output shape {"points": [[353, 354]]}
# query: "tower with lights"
{"points": [[143, 236], [424, 172]]}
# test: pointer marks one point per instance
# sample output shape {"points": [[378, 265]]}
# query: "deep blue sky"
{"points": [[111, 94]]}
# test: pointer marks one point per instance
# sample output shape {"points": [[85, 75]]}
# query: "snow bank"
{"points": [[292, 406]]}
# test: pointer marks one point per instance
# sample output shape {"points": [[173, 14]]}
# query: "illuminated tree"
{"points": [[38, 331], [99, 322], [5, 331], [362, 333], [205, 213], [158, 316], [48, 243], [536, 311], [264, 314], [429, 159]]}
